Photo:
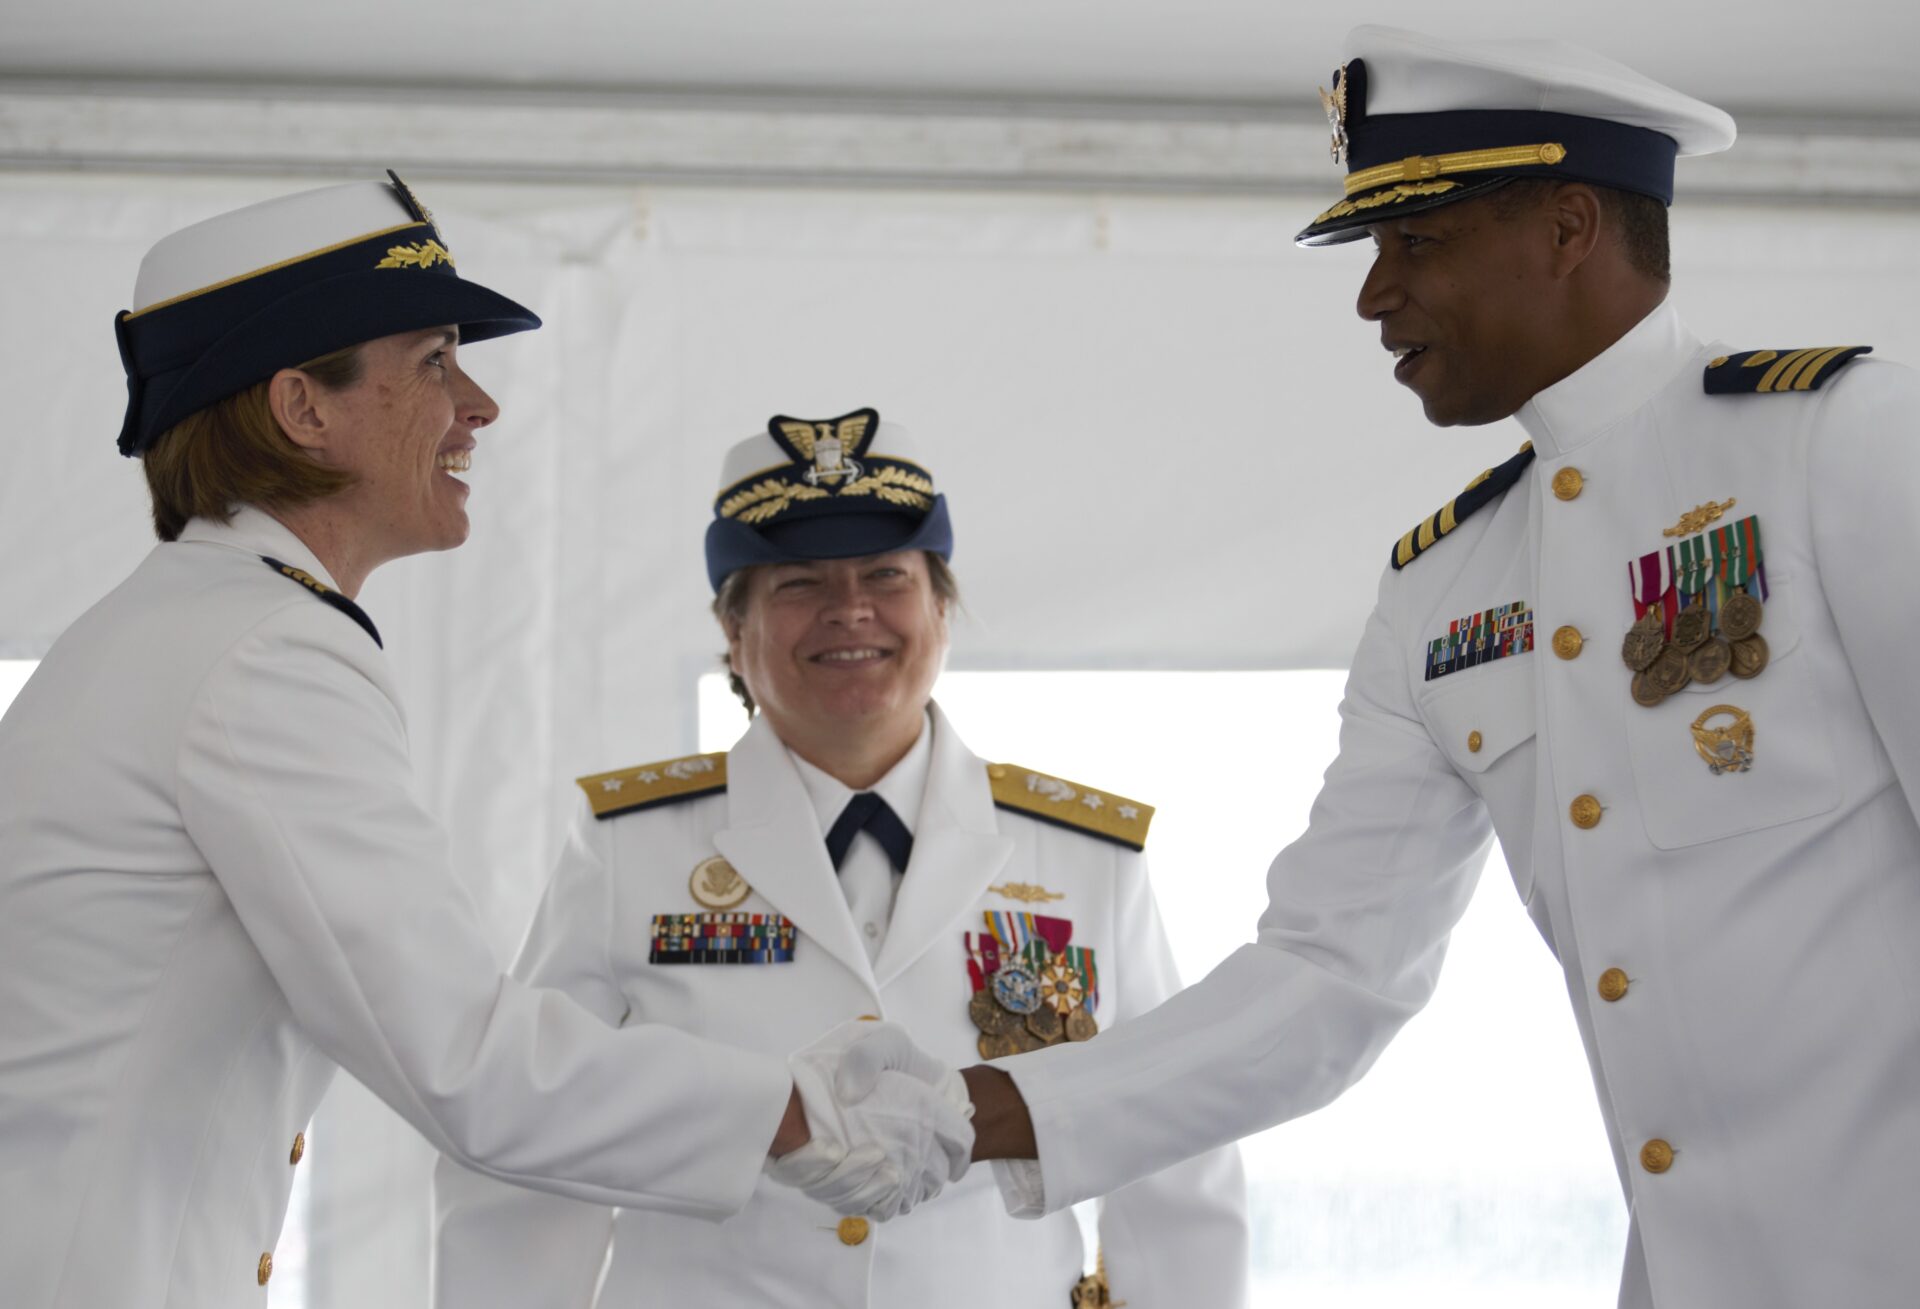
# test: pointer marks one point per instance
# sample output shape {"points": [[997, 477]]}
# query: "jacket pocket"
{"points": [[1791, 775]]}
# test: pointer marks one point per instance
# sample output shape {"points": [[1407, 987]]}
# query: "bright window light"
{"points": [[1470, 1168], [13, 675]]}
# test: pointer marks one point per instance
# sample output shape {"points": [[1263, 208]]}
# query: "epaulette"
{"points": [[1459, 509], [1069, 804], [628, 789], [1769, 372], [327, 593]]}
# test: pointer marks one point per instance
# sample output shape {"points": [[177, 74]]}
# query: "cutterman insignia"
{"points": [[1479, 492], [1054, 800], [1769, 372], [628, 789]]}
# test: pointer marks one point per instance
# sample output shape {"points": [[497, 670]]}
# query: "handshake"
{"points": [[890, 1125]]}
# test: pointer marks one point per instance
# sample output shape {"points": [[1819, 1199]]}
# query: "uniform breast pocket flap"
{"points": [[1480, 716]]}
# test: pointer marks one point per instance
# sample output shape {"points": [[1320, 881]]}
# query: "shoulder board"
{"points": [[327, 593], [628, 789], [1459, 509], [1769, 372], [1069, 804]]}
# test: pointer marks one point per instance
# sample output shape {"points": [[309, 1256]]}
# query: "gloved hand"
{"points": [[889, 1122]]}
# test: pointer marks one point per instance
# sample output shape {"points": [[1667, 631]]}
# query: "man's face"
{"points": [[1463, 300], [405, 427], [840, 646]]}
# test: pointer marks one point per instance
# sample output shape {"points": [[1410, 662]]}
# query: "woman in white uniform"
{"points": [[848, 858], [217, 882]]}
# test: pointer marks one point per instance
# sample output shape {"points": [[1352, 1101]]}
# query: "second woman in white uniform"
{"points": [[849, 857]]}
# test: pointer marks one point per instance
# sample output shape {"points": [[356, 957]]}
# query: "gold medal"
{"points": [[1046, 1024], [1643, 642], [1739, 616], [1728, 747], [988, 1016], [1709, 661], [1081, 1026], [1750, 656], [1691, 626], [1669, 672], [1645, 693], [717, 885], [1060, 987], [994, 1045]]}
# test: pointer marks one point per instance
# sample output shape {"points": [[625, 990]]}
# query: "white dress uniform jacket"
{"points": [[1765, 921], [1174, 1239], [217, 884]]}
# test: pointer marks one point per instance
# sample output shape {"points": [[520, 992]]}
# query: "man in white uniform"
{"points": [[1661, 653], [217, 882], [849, 856]]}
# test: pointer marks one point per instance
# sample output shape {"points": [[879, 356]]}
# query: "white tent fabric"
{"points": [[1168, 441]]}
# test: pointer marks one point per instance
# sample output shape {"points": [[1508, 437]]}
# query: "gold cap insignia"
{"points": [[1334, 103]]}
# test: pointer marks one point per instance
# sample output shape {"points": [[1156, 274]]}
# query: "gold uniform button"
{"points": [[869, 1018], [853, 1231], [1656, 1156], [1585, 811], [1474, 742], [1567, 483], [1613, 985], [996, 772], [299, 1150], [266, 1267], [1567, 642]]}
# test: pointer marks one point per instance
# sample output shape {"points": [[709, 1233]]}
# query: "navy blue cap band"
{"points": [[1598, 151], [732, 544]]}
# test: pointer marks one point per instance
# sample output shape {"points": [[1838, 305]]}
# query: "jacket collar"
{"points": [[772, 837], [257, 532], [1611, 385]]}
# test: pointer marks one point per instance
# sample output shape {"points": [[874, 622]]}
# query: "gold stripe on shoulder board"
{"points": [[627, 789], [1056, 800]]}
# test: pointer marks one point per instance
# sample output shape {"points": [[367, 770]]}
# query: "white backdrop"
{"points": [[1168, 441]]}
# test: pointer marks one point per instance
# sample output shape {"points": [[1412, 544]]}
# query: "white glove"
{"points": [[889, 1122]]}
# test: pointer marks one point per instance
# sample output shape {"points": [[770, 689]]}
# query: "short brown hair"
{"points": [[233, 453], [730, 607]]}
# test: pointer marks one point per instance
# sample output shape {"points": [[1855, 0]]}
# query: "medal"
{"points": [[1727, 748], [1643, 642], [1081, 1026], [1061, 987], [1016, 989], [1691, 626], [1669, 672], [1739, 616], [1750, 656], [992, 1045], [989, 1017], [1709, 662], [1644, 692], [1046, 1025], [716, 884]]}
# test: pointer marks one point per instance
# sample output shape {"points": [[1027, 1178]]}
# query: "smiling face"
{"points": [[404, 428], [841, 648], [1468, 304]]}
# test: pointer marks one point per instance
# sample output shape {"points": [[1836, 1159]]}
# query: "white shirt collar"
{"points": [[902, 788], [258, 532], [1611, 385]]}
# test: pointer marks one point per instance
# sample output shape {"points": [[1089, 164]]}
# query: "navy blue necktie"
{"points": [[868, 811]]}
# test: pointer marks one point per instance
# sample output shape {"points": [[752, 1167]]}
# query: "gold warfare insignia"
{"points": [[1698, 517], [716, 884], [421, 254], [1026, 893]]}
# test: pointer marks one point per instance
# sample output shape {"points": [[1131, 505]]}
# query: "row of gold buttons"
{"points": [[294, 1156]]}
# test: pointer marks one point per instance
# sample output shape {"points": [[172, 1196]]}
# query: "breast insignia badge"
{"points": [[1031, 988], [716, 884], [1697, 607], [1026, 893], [1727, 747]]}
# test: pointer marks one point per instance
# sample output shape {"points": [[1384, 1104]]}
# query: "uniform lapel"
{"points": [[773, 839], [957, 852]]}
